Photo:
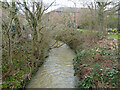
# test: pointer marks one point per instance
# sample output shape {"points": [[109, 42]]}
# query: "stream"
{"points": [[57, 71]]}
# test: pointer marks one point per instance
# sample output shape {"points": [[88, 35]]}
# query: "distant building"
{"points": [[66, 15]]}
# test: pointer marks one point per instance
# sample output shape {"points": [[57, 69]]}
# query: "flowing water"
{"points": [[57, 71]]}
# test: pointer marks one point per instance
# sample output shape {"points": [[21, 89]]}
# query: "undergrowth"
{"points": [[97, 68], [24, 63]]}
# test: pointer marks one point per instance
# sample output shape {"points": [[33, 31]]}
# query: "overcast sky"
{"points": [[58, 3], [65, 3], [70, 3]]}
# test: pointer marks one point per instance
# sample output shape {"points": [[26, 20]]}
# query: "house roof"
{"points": [[71, 9]]}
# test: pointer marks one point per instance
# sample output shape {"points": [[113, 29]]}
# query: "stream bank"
{"points": [[57, 71]]}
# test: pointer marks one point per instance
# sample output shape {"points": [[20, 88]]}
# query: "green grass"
{"points": [[110, 36], [81, 30], [113, 36]]}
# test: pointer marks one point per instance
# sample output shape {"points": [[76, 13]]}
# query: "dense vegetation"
{"points": [[27, 38], [97, 67], [96, 62], [22, 54]]}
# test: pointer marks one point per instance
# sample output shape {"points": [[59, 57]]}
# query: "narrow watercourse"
{"points": [[57, 71]]}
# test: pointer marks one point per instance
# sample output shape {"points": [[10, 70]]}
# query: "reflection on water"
{"points": [[57, 71]]}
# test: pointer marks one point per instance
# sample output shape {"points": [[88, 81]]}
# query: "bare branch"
{"points": [[48, 7]]}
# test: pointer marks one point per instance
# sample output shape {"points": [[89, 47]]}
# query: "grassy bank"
{"points": [[25, 42], [96, 62], [97, 68], [113, 37], [24, 65]]}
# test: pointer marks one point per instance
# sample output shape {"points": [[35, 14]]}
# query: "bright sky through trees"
{"points": [[64, 3]]}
